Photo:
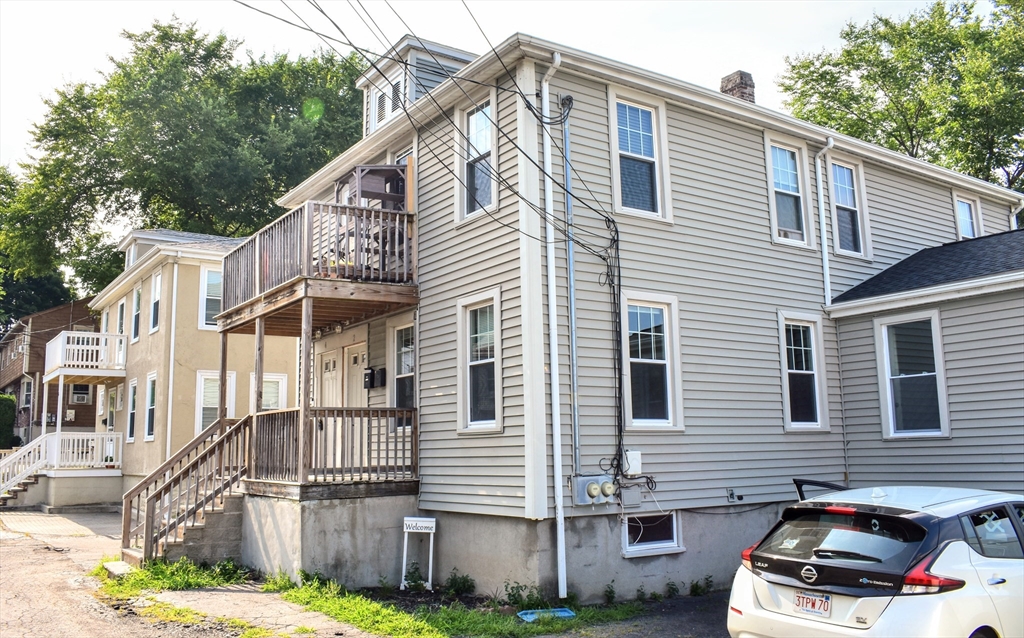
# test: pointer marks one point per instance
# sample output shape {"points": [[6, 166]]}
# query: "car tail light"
{"points": [[919, 580], [745, 555], [845, 511]]}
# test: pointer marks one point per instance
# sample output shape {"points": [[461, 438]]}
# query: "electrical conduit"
{"points": [[825, 276]]}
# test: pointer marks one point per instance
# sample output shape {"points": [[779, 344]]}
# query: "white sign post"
{"points": [[419, 525]]}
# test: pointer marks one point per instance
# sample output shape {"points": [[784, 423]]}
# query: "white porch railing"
{"points": [[85, 351], [69, 451]]}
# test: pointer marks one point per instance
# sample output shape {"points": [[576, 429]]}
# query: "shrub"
{"points": [[459, 584], [8, 408], [524, 596], [414, 578], [672, 589], [699, 588], [609, 593]]}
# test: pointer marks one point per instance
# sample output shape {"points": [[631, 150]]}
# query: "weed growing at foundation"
{"points": [[699, 588], [162, 576], [277, 583]]}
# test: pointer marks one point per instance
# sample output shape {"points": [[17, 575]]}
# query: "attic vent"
{"points": [[396, 95], [382, 107]]}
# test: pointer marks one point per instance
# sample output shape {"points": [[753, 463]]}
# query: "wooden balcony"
{"points": [[354, 263]]}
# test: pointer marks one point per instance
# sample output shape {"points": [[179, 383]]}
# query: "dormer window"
{"points": [[387, 100]]}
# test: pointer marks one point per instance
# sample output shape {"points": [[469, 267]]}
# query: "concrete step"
{"points": [[132, 556], [117, 568]]}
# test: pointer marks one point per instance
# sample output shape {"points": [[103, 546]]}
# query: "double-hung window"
{"points": [[136, 312], [26, 394], [803, 382], [154, 303], [208, 397], [275, 391], [479, 166], [639, 172], [911, 379], [210, 298], [650, 362], [120, 317], [133, 400], [968, 216], [405, 369], [850, 230], [787, 199], [479, 351], [150, 406]]}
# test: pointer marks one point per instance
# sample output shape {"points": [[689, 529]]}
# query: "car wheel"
{"points": [[983, 632]]}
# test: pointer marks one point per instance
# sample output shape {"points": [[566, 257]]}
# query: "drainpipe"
{"points": [[553, 365], [1013, 215], [826, 278], [170, 373]]}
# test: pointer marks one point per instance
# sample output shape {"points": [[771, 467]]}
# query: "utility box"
{"points": [[594, 490], [633, 464]]}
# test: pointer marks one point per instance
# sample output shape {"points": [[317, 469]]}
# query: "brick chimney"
{"points": [[739, 84]]}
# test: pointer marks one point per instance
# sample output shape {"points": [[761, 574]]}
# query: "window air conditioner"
{"points": [[79, 398]]}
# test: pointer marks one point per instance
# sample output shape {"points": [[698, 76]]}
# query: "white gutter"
{"points": [[992, 284], [553, 366], [825, 276], [170, 372], [1013, 215]]}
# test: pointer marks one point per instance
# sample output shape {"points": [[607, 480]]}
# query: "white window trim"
{"points": [[975, 202], [464, 305], [150, 386], [675, 378], [863, 210], [129, 434], [820, 378], [26, 393], [202, 295], [388, 82], [654, 549], [120, 397], [136, 310], [155, 297], [213, 374], [394, 324], [882, 360], [267, 376], [800, 148], [662, 171], [461, 153]]}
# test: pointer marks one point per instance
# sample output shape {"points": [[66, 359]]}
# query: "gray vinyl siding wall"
{"points": [[730, 280], [983, 354], [481, 474], [427, 74]]}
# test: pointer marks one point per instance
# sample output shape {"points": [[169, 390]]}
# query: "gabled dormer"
{"points": [[408, 71], [139, 242]]}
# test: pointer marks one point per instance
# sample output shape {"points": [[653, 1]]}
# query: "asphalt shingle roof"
{"points": [[180, 235], [957, 261]]}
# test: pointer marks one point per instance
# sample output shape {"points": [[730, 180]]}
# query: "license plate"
{"points": [[808, 602]]}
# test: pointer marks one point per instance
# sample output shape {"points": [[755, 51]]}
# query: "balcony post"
{"points": [[222, 398], [305, 383], [258, 366], [306, 248], [46, 405], [60, 418]]}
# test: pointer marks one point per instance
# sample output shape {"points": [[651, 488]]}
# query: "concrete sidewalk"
{"points": [[86, 539]]}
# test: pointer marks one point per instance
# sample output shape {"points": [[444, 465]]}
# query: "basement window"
{"points": [[651, 534]]}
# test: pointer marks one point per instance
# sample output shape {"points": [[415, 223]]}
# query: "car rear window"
{"points": [[866, 540]]}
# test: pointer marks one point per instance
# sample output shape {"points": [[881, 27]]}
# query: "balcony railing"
{"points": [[85, 351], [342, 445], [322, 240]]}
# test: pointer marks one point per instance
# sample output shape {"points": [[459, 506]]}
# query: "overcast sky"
{"points": [[47, 44]]}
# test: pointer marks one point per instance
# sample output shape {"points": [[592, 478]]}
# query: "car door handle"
{"points": [[996, 581]]}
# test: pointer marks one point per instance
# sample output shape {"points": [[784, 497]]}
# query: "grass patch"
{"points": [[163, 576], [454, 619], [305, 630], [256, 632], [157, 611], [278, 582]]}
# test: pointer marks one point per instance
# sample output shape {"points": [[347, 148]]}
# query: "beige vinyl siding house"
{"points": [[719, 338], [170, 361]]}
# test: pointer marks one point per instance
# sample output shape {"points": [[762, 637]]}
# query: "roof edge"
{"points": [[952, 291]]}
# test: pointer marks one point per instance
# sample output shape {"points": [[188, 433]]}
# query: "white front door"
{"points": [[355, 366], [330, 385]]}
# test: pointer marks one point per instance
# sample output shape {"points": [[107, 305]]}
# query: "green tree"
{"points": [[20, 297], [943, 84], [178, 135]]}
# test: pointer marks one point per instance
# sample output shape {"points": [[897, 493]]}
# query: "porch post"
{"points": [[46, 404], [222, 399], [258, 367], [60, 419], [305, 382]]}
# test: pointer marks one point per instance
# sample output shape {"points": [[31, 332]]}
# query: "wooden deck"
{"points": [[353, 263]]}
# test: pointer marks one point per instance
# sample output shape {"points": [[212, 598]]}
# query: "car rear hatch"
{"points": [[836, 563]]}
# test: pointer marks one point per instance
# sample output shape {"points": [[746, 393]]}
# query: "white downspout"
{"points": [[170, 372], [553, 365], [1013, 215], [826, 277]]}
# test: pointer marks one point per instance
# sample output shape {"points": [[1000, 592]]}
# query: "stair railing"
{"points": [[180, 492], [16, 467]]}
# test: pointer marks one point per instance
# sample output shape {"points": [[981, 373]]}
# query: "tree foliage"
{"points": [[943, 84], [178, 135]]}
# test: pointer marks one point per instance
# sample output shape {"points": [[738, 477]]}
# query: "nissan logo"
{"points": [[809, 574]]}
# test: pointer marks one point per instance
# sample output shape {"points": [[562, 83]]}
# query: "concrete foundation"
{"points": [[83, 487], [218, 537], [356, 541]]}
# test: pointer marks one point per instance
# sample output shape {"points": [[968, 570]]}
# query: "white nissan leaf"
{"points": [[887, 561]]}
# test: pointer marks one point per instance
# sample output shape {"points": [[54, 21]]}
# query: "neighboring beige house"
{"points": [[632, 410], [162, 308]]}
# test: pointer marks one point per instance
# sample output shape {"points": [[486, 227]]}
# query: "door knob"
{"points": [[996, 581]]}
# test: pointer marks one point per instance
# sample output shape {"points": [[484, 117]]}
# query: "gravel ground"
{"points": [[686, 617]]}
